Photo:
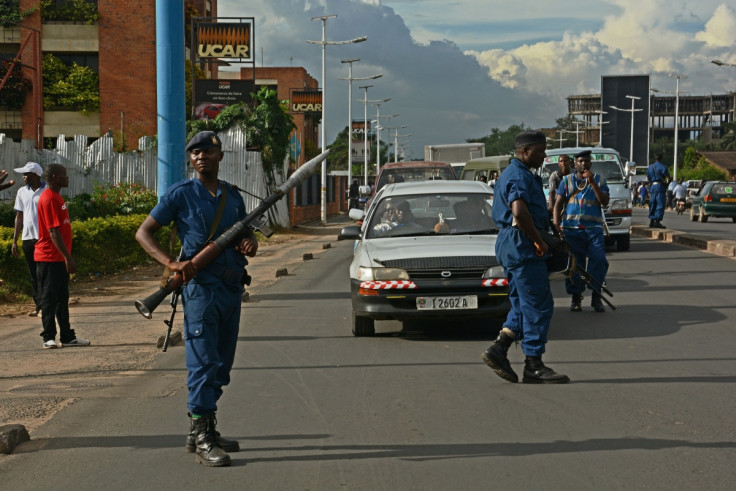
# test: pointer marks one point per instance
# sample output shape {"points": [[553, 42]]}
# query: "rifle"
{"points": [[170, 323], [214, 248]]}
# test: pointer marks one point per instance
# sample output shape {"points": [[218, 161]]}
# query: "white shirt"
{"points": [[680, 191], [26, 202]]}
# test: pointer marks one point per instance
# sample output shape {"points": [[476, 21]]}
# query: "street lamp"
{"points": [[720, 63], [677, 116], [378, 133], [388, 129], [632, 111], [600, 129], [396, 138], [324, 43], [350, 111]]}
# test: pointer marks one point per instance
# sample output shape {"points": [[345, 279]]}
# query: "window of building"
{"points": [[91, 60]]}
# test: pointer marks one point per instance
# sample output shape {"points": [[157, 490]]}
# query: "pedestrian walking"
{"points": [[520, 210], [579, 218], [54, 261], [26, 224], [201, 209], [658, 177]]}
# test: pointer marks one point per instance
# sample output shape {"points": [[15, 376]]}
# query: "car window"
{"points": [[432, 214], [610, 170], [415, 174], [723, 189], [545, 171]]}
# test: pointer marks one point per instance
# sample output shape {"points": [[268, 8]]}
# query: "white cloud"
{"points": [[720, 30]]}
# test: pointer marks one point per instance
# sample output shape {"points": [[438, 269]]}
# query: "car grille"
{"points": [[433, 267]]}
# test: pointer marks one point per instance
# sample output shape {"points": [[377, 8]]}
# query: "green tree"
{"points": [[70, 87], [500, 142], [70, 11], [728, 140], [13, 94]]}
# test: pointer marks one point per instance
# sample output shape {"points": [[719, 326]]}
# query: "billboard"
{"points": [[617, 133], [226, 40], [306, 101], [212, 96]]}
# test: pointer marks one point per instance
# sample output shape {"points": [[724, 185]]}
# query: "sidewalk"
{"points": [[36, 383]]}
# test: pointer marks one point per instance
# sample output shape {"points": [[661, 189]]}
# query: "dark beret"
{"points": [[202, 140], [584, 153], [529, 138]]}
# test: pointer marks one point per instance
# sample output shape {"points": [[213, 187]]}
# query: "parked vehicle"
{"points": [[415, 171], [433, 258], [607, 163], [716, 199]]}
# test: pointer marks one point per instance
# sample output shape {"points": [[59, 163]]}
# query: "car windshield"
{"points": [[432, 214], [414, 174], [723, 190], [610, 170], [545, 171]]}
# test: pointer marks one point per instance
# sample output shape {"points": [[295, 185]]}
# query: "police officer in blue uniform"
{"points": [[658, 177], [212, 295], [520, 210]]}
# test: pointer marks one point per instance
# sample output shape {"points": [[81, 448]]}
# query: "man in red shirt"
{"points": [[54, 262]]}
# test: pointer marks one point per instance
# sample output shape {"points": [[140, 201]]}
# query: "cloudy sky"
{"points": [[454, 69]]}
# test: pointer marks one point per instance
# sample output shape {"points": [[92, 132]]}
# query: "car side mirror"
{"points": [[351, 232]]}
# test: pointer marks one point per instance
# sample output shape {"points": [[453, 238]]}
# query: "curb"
{"points": [[721, 247]]}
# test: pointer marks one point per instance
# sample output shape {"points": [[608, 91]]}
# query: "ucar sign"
{"points": [[306, 101], [225, 40]]}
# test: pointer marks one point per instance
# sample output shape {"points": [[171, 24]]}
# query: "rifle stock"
{"points": [[213, 249]]}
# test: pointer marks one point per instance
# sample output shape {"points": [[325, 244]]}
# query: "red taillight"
{"points": [[708, 198], [367, 291]]}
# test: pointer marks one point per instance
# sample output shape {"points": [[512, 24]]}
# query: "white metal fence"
{"points": [[97, 163]]}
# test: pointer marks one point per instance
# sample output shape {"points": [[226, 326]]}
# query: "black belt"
{"points": [[228, 275]]}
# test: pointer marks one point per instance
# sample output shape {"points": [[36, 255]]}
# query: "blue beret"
{"points": [[529, 138], [584, 153], [202, 140]]}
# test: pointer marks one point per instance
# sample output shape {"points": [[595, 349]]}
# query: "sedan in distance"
{"points": [[426, 250], [715, 199]]}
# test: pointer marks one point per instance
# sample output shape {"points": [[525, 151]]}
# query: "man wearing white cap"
{"points": [[26, 220]]}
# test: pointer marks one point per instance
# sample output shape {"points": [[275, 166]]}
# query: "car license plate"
{"points": [[447, 303], [728, 200]]}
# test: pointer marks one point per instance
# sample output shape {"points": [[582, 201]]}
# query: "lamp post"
{"points": [[600, 126], [396, 139], [378, 133], [388, 129], [350, 111], [366, 131], [677, 117], [577, 132], [632, 111], [720, 63], [324, 43]]}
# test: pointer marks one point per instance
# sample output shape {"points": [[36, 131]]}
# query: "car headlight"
{"points": [[494, 272], [620, 204], [381, 274]]}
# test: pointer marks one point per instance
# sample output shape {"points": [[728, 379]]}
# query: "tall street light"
{"points": [[396, 138], [366, 128], [677, 116], [720, 63], [600, 124], [324, 43], [350, 111], [378, 133], [632, 111], [388, 129]]}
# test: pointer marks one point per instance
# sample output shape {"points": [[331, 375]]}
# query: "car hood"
{"points": [[386, 249]]}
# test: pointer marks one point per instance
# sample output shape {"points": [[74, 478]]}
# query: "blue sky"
{"points": [[456, 69]]}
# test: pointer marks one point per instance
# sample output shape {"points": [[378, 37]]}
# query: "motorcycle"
{"points": [[680, 206]]}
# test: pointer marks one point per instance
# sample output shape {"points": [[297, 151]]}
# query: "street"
{"points": [[650, 405]]}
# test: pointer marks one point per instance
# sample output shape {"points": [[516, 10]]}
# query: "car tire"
{"points": [[363, 326], [693, 216], [623, 242], [703, 217]]}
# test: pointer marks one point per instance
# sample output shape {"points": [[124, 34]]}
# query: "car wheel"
{"points": [[693, 216], [623, 242], [703, 216], [363, 326]]}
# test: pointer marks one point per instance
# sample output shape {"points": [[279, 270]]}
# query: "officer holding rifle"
{"points": [[202, 208]]}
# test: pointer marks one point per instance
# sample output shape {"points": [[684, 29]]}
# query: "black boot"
{"points": [[495, 357], [207, 450], [652, 224], [227, 445], [576, 304], [597, 303], [535, 372]]}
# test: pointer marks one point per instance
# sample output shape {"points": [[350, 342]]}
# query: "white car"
{"points": [[433, 257]]}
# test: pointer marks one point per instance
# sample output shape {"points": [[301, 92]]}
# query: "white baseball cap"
{"points": [[30, 167]]}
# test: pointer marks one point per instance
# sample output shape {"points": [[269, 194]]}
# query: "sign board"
{"points": [[306, 101], [359, 152], [617, 133], [233, 40], [212, 96]]}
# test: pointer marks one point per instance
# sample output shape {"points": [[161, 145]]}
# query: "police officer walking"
{"points": [[520, 210], [202, 208], [658, 177]]}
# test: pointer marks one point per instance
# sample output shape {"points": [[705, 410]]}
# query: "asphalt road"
{"points": [[650, 406], [721, 228]]}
